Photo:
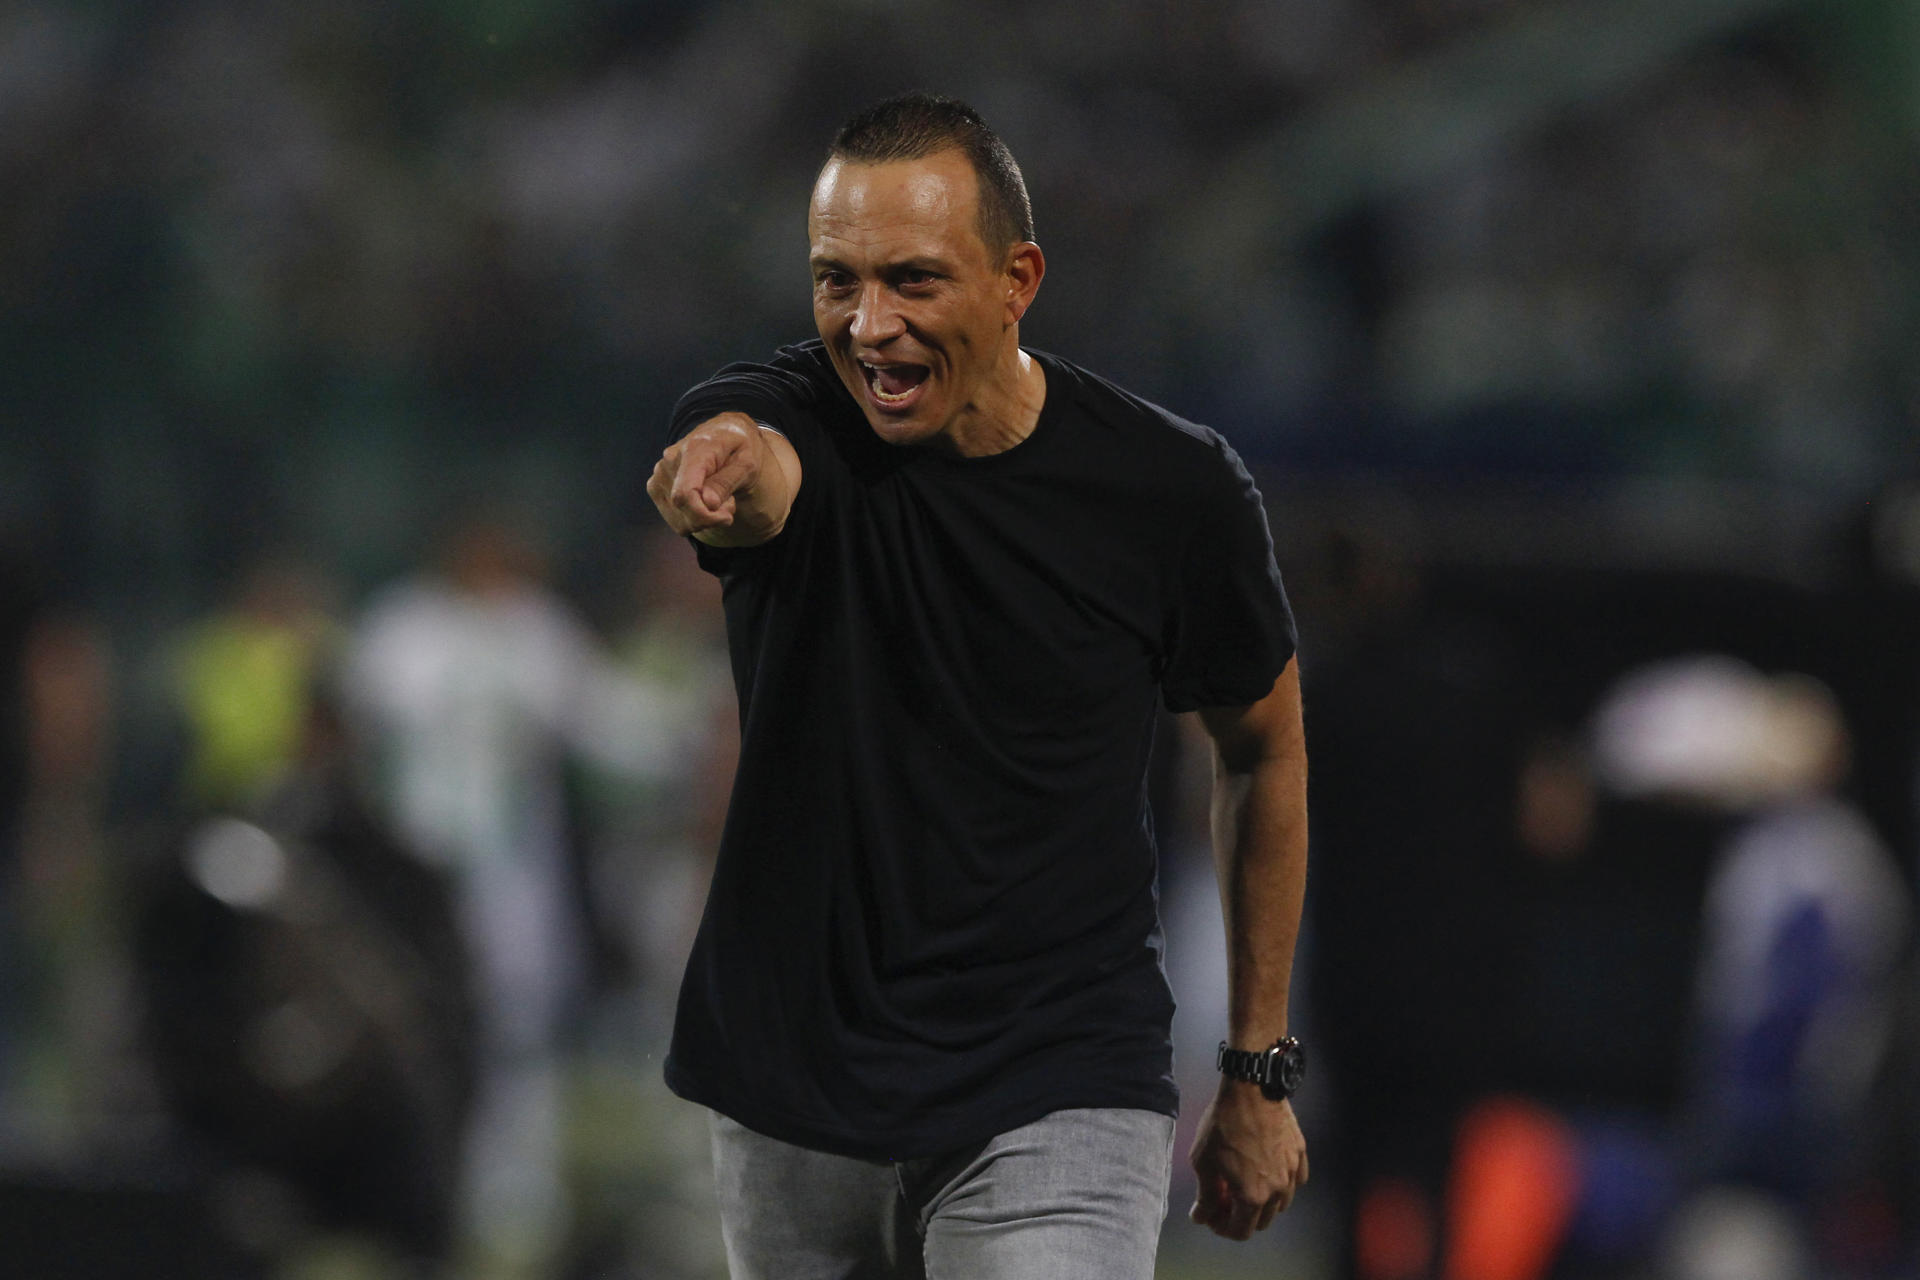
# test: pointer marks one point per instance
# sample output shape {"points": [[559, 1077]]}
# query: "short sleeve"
{"points": [[781, 395], [1229, 628]]}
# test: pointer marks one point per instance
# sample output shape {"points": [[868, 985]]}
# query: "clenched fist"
{"points": [[1250, 1161]]}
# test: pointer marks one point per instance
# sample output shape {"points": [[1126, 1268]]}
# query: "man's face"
{"points": [[917, 313]]}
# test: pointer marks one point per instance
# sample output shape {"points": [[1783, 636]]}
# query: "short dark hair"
{"points": [[916, 125]]}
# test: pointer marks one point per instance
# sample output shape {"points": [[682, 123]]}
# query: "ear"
{"points": [[1025, 266]]}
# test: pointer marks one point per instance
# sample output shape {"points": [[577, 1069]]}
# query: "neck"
{"points": [[1005, 410]]}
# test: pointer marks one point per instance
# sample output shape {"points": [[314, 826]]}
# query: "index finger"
{"points": [[1210, 1201]]}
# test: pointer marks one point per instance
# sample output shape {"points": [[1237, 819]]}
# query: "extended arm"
{"points": [[729, 482], [1249, 1154]]}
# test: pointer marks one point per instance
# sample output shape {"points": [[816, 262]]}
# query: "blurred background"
{"points": [[362, 746]]}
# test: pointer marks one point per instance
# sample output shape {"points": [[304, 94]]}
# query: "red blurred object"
{"points": [[1393, 1232], [1516, 1182]]}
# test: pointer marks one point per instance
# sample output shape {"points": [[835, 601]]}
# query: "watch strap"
{"points": [[1277, 1069]]}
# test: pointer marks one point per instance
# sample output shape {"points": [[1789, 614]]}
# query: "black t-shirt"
{"points": [[933, 915]]}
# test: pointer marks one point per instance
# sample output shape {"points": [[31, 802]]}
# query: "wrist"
{"points": [[1277, 1070]]}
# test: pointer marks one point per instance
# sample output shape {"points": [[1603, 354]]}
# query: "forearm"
{"points": [[1260, 853], [1249, 1157]]}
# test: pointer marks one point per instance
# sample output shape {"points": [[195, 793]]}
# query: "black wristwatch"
{"points": [[1278, 1070]]}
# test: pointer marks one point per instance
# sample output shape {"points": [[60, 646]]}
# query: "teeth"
{"points": [[880, 393]]}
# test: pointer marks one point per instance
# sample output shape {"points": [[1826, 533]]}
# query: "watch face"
{"points": [[1287, 1072], [1292, 1066]]}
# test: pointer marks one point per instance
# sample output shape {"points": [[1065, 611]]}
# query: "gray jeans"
{"points": [[1076, 1195]]}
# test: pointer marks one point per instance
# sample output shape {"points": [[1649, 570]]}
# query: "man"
{"points": [[926, 1001]]}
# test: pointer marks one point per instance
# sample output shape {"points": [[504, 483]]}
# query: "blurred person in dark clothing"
{"points": [[926, 1003], [1416, 734], [307, 1006], [19, 614], [54, 714]]}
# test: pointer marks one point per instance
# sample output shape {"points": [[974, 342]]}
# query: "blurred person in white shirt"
{"points": [[474, 682]]}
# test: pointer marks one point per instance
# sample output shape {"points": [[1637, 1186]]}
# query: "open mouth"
{"points": [[894, 386]]}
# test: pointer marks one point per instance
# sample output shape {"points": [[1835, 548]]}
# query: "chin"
{"points": [[899, 431]]}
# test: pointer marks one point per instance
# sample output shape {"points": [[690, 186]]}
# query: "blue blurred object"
{"points": [[1629, 1187]]}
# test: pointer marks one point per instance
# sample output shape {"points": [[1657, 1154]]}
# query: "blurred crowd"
{"points": [[1608, 973], [267, 272], [361, 756], [1611, 907], [393, 885]]}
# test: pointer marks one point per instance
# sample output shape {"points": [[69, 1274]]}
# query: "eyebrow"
{"points": [[914, 262]]}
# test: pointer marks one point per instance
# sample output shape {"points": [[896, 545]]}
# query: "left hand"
{"points": [[1250, 1158]]}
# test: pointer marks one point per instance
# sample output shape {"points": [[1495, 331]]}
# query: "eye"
{"points": [[916, 278], [832, 280]]}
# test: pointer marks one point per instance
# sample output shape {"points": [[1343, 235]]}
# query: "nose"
{"points": [[876, 320]]}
